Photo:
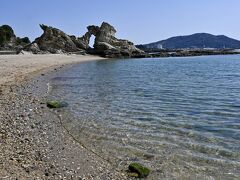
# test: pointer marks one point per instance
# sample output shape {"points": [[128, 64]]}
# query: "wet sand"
{"points": [[33, 143]]}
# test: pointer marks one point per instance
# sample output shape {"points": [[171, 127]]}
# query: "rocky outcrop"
{"points": [[34, 48], [9, 41], [54, 41], [81, 42], [107, 45]]}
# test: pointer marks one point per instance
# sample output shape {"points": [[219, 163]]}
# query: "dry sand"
{"points": [[18, 67]]}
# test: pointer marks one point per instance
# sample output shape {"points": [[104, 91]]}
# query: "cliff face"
{"points": [[9, 41], [106, 44]]}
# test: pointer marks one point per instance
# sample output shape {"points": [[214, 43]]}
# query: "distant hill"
{"points": [[199, 40]]}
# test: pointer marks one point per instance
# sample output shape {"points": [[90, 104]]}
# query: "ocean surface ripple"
{"points": [[180, 116]]}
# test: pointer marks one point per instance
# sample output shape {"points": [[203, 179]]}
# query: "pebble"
{"points": [[30, 131]]}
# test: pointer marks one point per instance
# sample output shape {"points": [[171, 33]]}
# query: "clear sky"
{"points": [[141, 21]]}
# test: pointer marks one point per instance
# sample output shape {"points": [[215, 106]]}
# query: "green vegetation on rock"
{"points": [[23, 41], [56, 104], [9, 41], [139, 169], [6, 33]]}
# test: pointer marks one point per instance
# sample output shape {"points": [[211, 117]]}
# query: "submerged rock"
{"points": [[56, 104], [136, 168]]}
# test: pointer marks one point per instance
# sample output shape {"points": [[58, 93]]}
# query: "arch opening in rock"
{"points": [[97, 40], [92, 41]]}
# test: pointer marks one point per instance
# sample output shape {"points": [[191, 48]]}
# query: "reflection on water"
{"points": [[180, 116]]}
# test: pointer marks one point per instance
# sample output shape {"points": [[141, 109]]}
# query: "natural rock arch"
{"points": [[106, 44]]}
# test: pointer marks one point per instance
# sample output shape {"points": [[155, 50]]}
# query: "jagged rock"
{"points": [[53, 40], [108, 45], [81, 43], [56, 41], [9, 41], [93, 30], [33, 47]]}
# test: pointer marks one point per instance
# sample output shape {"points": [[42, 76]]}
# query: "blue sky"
{"points": [[141, 21]]}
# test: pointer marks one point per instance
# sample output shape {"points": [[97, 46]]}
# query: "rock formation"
{"points": [[54, 41], [9, 41], [106, 44]]}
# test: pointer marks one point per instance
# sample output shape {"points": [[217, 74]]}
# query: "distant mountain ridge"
{"points": [[198, 40]]}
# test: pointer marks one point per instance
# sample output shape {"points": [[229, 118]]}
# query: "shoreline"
{"points": [[18, 67], [33, 144]]}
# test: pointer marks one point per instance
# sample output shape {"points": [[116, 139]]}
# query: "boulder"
{"points": [[138, 170], [56, 104]]}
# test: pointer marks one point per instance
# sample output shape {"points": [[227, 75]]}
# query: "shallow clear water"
{"points": [[179, 116]]}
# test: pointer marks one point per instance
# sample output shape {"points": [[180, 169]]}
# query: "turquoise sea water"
{"points": [[179, 116]]}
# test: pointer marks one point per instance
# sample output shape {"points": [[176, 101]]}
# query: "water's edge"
{"points": [[97, 137]]}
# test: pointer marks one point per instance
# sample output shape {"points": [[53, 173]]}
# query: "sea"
{"points": [[178, 116]]}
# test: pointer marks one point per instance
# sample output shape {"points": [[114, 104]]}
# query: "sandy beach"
{"points": [[33, 143], [18, 67]]}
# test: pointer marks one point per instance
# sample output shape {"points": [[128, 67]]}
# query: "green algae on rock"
{"points": [[56, 104], [139, 169]]}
